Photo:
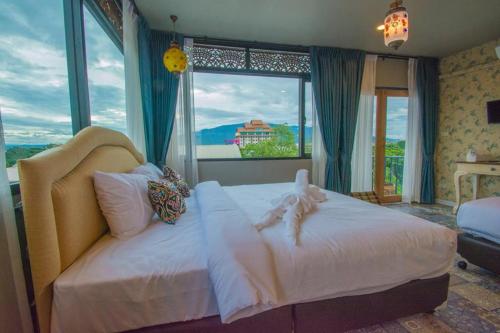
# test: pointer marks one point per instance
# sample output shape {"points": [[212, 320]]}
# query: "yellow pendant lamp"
{"points": [[174, 59]]}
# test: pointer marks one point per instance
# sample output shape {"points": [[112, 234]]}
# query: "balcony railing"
{"points": [[393, 184]]}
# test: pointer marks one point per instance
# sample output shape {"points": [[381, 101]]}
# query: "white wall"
{"points": [[251, 172], [392, 73]]}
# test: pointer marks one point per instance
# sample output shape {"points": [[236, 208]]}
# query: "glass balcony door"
{"points": [[390, 137]]}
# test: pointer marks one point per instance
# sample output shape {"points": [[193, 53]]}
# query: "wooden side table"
{"points": [[487, 168]]}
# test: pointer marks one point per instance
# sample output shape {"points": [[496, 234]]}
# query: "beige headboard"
{"points": [[61, 213]]}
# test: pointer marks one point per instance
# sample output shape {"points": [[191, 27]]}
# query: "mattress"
{"points": [[158, 276], [348, 247], [481, 218]]}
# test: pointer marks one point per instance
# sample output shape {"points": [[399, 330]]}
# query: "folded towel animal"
{"points": [[291, 207]]}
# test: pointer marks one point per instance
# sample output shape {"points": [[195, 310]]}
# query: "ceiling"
{"points": [[437, 27]]}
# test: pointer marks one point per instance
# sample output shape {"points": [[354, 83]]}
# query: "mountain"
{"points": [[218, 135]]}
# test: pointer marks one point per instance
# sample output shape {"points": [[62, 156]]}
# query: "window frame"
{"points": [[76, 56], [380, 140], [73, 13], [302, 79]]}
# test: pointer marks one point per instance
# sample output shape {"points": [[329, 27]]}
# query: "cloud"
{"points": [[216, 113], [26, 61], [34, 95], [244, 97]]}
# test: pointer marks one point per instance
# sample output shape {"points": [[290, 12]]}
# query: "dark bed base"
{"points": [[334, 315], [479, 251]]}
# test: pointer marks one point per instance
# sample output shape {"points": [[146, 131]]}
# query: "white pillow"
{"points": [[124, 201], [150, 170]]}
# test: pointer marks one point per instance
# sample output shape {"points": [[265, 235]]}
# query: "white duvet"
{"points": [[348, 247]]}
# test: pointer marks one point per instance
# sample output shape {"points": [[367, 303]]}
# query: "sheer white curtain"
{"points": [[14, 310], [318, 154], [133, 99], [361, 162], [182, 147], [413, 149]]}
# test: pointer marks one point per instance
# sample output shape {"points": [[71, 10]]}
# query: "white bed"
{"points": [[481, 218], [348, 247]]}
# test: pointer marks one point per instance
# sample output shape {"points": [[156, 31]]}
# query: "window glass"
{"points": [[34, 95], [246, 116], [106, 76], [395, 142]]}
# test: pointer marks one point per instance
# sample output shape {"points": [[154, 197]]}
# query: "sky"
{"points": [[34, 96], [230, 99], [397, 117]]}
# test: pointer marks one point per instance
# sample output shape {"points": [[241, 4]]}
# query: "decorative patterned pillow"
{"points": [[170, 174], [173, 176], [183, 188], [166, 200]]}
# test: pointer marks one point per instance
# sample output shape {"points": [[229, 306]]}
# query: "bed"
{"points": [[480, 241], [162, 281]]}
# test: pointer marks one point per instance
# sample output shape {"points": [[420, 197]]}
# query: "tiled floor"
{"points": [[473, 298]]}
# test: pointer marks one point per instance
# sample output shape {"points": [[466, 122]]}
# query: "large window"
{"points": [[106, 77], [246, 116], [34, 86], [251, 103], [34, 97]]}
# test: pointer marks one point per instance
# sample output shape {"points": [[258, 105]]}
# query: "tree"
{"points": [[395, 148], [20, 152], [281, 144]]}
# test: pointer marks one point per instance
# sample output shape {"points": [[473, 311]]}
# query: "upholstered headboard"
{"points": [[61, 213]]}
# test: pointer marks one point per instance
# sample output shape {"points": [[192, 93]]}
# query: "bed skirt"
{"points": [[333, 315], [480, 251]]}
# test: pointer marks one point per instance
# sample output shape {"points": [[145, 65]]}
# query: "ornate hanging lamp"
{"points": [[396, 25], [174, 59]]}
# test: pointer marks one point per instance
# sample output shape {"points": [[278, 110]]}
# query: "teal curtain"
{"points": [[159, 90], [428, 95], [336, 83]]}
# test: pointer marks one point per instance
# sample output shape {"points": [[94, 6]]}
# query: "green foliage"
{"points": [[281, 144], [395, 148], [394, 165], [20, 152]]}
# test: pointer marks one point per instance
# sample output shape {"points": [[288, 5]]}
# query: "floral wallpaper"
{"points": [[468, 80]]}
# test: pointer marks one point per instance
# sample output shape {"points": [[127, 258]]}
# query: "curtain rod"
{"points": [[249, 44], [275, 46], [391, 56]]}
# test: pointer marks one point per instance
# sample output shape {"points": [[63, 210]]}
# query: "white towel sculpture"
{"points": [[291, 207]]}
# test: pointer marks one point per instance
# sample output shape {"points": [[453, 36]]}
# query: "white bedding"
{"points": [[481, 218], [348, 247], [158, 276], [240, 264]]}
